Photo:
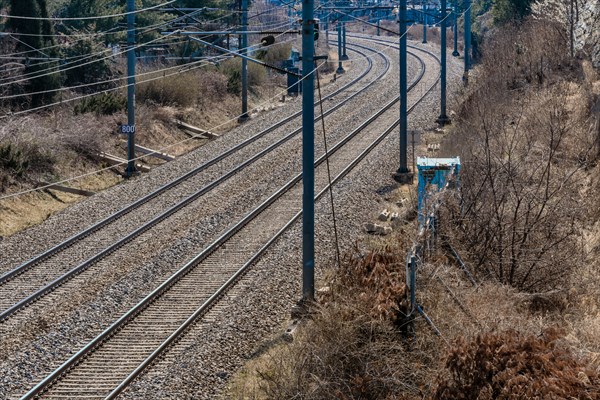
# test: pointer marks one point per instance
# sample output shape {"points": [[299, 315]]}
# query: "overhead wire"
{"points": [[206, 60], [333, 216], [87, 18], [183, 68], [163, 149], [119, 78], [150, 28]]}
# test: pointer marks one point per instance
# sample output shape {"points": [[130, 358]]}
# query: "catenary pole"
{"points": [[403, 174], [308, 152], [344, 54], [130, 170], [424, 9], [443, 118], [340, 69], [244, 44], [455, 53], [467, 36]]}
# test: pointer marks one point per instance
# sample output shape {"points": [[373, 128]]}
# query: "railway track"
{"points": [[41, 275], [108, 363]]}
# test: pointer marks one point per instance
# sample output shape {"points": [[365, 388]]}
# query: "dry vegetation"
{"points": [[63, 141], [526, 223]]}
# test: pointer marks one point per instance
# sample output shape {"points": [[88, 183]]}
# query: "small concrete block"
{"points": [[384, 215], [394, 216], [386, 230], [291, 330], [370, 227]]}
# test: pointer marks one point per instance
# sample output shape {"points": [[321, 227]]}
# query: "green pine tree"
{"points": [[36, 34], [511, 10]]}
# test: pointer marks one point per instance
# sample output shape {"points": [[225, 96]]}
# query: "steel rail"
{"points": [[209, 303], [145, 199], [48, 288], [132, 313]]}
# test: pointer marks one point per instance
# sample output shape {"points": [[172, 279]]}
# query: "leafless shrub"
{"points": [[275, 54], [181, 89], [342, 353], [526, 53], [212, 86], [509, 365], [521, 213]]}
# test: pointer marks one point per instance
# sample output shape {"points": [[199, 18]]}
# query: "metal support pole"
{"points": [[443, 118], [378, 27], [130, 170], [413, 284], [243, 50], [340, 69], [403, 174], [455, 53], [344, 55], [308, 152], [327, 29], [424, 9], [467, 37]]}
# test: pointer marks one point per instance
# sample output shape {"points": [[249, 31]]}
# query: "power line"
{"points": [[61, 67], [115, 79], [13, 195], [87, 18], [87, 63], [100, 92], [205, 60]]}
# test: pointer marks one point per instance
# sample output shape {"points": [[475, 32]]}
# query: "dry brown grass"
{"points": [[530, 122]]}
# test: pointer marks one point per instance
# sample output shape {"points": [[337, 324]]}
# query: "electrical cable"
{"points": [[121, 78], [234, 119], [205, 60], [89, 62], [335, 230], [74, 62], [150, 28], [88, 18], [183, 68]]}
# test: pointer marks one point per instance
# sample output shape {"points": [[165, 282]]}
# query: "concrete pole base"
{"points": [[243, 118], [345, 57], [130, 173], [455, 53], [443, 120], [404, 178], [340, 70]]}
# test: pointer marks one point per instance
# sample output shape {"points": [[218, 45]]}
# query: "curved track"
{"points": [[41, 275], [107, 364]]}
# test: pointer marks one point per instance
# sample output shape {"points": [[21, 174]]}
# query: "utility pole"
{"points": [[130, 128], [467, 39], [378, 27], [340, 69], [308, 151], [424, 9], [455, 53], [443, 118], [403, 174], [243, 50], [344, 55]]}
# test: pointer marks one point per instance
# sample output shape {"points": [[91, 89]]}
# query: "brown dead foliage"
{"points": [[509, 365], [379, 278]]}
